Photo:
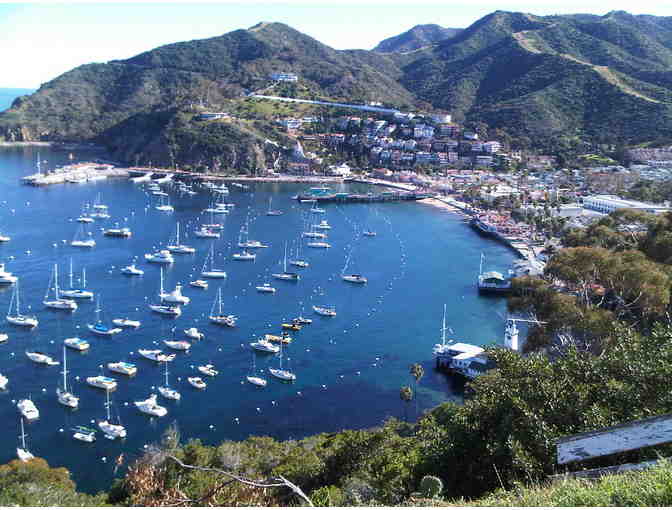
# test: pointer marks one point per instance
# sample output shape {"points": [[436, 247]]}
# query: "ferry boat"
{"points": [[76, 343], [482, 226], [100, 381], [122, 367]]}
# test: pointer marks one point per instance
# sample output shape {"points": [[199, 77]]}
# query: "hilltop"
{"points": [[543, 79], [417, 37]]}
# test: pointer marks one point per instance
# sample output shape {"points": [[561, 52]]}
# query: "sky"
{"points": [[41, 41]]}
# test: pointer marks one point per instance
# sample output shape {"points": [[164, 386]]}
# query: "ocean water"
{"points": [[349, 368]]}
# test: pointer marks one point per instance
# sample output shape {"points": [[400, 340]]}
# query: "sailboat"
{"points": [[111, 430], [27, 409], [80, 240], [66, 397], [441, 348], [99, 328], [169, 309], [174, 296], [281, 373], [212, 272], [285, 275], [298, 261], [16, 318], [271, 211], [22, 452], [41, 358], [164, 206], [85, 217], [177, 247], [100, 209], [118, 231], [6, 278], [178, 345], [77, 293], [313, 233], [219, 317], [247, 243], [353, 277], [58, 302], [253, 378], [167, 391]]}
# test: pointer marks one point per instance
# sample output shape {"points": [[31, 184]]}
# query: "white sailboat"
{"points": [[248, 243], [168, 392], [318, 244], [6, 278], [164, 206], [271, 211], [178, 247], [194, 333], [212, 272], [41, 358], [323, 225], [72, 292], [65, 397], [351, 277], [58, 302], [441, 348], [165, 309], [244, 255], [156, 355], [219, 318], [286, 275], [253, 378], [99, 328], [266, 288], [280, 373], [85, 217], [177, 345], [298, 261], [208, 370], [22, 452], [111, 430], [197, 382], [81, 240], [14, 314]]}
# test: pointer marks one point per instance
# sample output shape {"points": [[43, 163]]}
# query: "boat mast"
{"points": [[23, 433], [161, 289], [443, 328], [97, 310], [480, 269], [284, 266], [65, 371], [107, 404], [56, 281], [178, 234], [70, 274]]}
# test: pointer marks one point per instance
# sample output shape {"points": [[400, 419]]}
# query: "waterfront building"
{"points": [[284, 77], [609, 203]]}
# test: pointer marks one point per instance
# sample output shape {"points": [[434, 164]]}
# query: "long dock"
{"points": [[390, 196]]}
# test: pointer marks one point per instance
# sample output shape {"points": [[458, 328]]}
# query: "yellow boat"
{"points": [[292, 326], [285, 339]]}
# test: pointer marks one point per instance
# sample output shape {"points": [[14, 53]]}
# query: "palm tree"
{"points": [[417, 372], [406, 394]]}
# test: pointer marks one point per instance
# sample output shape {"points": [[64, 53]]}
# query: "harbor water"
{"points": [[349, 368]]}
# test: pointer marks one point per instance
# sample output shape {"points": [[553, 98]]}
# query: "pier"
{"points": [[386, 196], [77, 173]]}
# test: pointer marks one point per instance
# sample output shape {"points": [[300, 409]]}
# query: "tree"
{"points": [[406, 395], [417, 372]]}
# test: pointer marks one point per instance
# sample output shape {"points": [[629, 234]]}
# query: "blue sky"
{"points": [[40, 41]]}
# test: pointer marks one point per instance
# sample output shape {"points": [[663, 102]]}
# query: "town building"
{"points": [[284, 77], [609, 203]]}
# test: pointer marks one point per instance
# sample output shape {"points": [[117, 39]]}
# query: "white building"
{"points": [[442, 118], [342, 170], [610, 203], [284, 77]]}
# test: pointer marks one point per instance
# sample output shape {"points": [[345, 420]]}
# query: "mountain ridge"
{"points": [[539, 77]]}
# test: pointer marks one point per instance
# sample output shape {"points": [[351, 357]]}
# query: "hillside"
{"points": [[131, 105], [603, 77], [544, 79], [417, 37]]}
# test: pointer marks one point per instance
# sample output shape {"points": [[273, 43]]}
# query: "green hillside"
{"points": [[604, 79]]}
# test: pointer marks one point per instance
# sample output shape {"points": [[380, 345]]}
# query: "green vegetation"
{"points": [[562, 84], [652, 487]]}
